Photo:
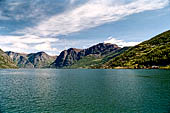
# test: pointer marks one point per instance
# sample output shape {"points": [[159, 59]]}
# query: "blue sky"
{"points": [[54, 25]]}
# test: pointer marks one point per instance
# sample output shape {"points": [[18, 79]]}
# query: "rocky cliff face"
{"points": [[33, 60], [20, 59], [99, 49], [72, 55], [40, 59], [6, 61], [67, 57]]}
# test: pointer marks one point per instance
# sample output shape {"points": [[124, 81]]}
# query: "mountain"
{"points": [[33, 60], [6, 61], [153, 53], [69, 57], [94, 62], [40, 59], [20, 59]]}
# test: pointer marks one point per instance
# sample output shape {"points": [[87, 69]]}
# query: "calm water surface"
{"points": [[84, 91]]}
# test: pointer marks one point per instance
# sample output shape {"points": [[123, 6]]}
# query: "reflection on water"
{"points": [[88, 91]]}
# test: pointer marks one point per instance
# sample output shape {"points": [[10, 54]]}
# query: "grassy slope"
{"points": [[5, 61], [155, 51]]}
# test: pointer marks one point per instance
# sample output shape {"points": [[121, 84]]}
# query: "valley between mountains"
{"points": [[153, 53]]}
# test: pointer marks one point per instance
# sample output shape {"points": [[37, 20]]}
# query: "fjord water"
{"points": [[84, 91]]}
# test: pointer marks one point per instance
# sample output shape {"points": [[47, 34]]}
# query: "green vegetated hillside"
{"points": [[154, 53], [95, 61], [5, 61]]}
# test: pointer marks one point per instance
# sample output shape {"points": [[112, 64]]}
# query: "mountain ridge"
{"points": [[152, 53], [70, 56], [32, 60]]}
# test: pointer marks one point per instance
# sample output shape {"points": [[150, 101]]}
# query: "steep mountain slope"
{"points": [[40, 59], [93, 61], [20, 59], [6, 61], [67, 58], [152, 53], [72, 55], [33, 60]]}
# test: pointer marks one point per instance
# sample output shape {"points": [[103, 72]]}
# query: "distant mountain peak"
{"points": [[32, 60], [74, 49], [107, 44], [41, 52], [70, 56]]}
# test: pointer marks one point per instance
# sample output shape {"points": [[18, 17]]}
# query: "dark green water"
{"points": [[84, 91]]}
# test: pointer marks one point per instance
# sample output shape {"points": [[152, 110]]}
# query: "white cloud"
{"points": [[120, 43], [12, 48], [46, 46], [31, 43], [27, 43], [20, 45], [27, 39], [92, 14]]}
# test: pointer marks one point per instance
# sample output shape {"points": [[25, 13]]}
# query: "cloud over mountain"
{"points": [[120, 43], [36, 25]]}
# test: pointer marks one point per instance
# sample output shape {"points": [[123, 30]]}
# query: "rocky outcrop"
{"points": [[72, 55], [67, 57], [99, 49], [40, 59]]}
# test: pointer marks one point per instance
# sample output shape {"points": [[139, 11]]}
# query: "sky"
{"points": [[29, 26]]}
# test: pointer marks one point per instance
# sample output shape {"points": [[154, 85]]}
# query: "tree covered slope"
{"points": [[150, 53]]}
